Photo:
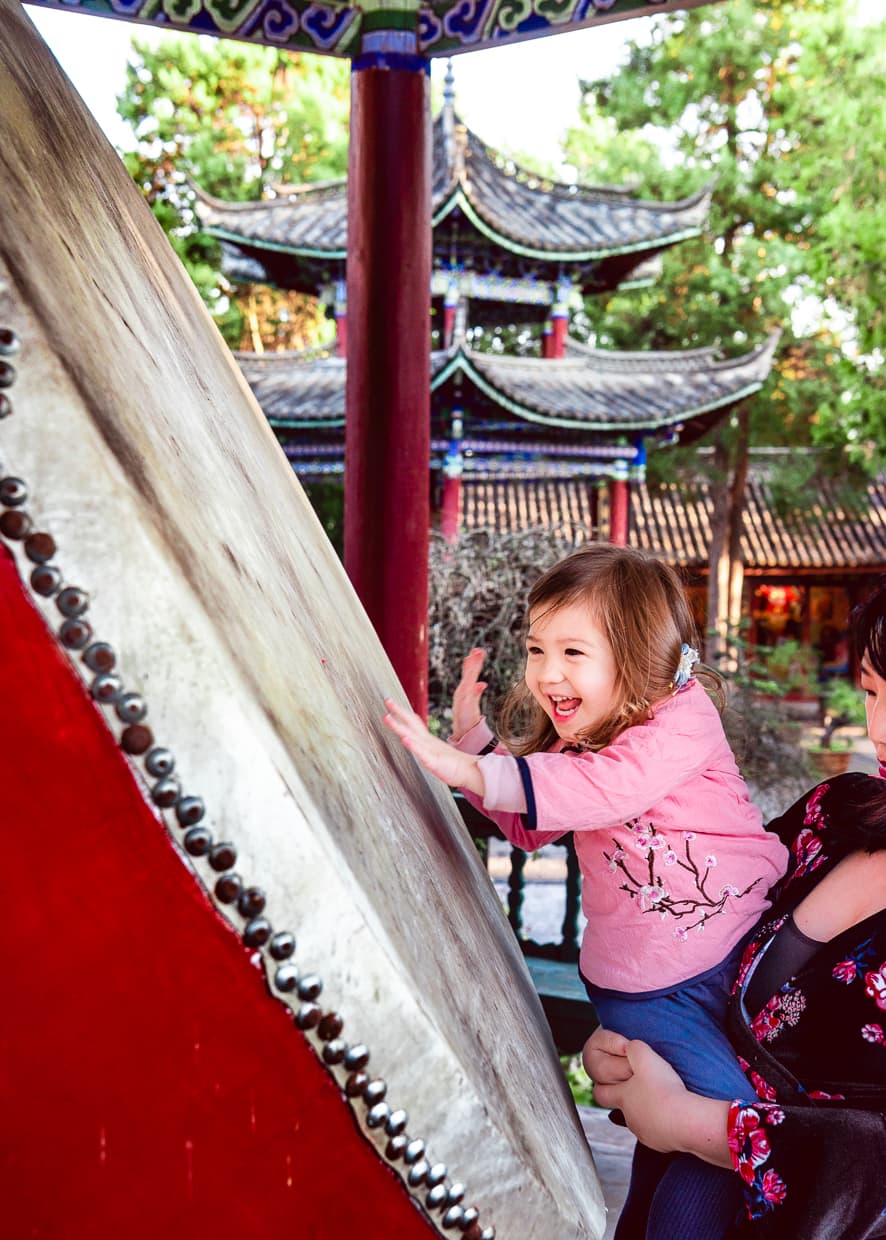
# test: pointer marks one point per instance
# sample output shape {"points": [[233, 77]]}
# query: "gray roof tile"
{"points": [[674, 521], [515, 211], [590, 390]]}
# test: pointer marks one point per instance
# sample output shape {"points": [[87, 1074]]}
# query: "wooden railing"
{"points": [[553, 966]]}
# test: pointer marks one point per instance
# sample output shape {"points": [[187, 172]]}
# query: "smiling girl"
{"points": [[611, 735], [807, 1016]]}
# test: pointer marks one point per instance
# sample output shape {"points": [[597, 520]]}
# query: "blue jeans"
{"points": [[685, 1026], [676, 1196]]}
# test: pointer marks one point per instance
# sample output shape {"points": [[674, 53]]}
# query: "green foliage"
{"points": [[237, 119], [580, 1084], [327, 498], [793, 665], [765, 742], [745, 666], [774, 104], [843, 707], [843, 698]]}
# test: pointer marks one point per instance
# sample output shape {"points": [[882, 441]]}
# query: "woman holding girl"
{"points": [[807, 1019], [612, 736]]}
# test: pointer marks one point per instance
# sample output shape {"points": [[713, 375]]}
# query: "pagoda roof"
{"points": [[517, 219], [674, 521], [603, 392], [546, 219]]}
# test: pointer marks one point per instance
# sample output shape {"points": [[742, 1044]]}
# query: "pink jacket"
{"points": [[674, 857]]}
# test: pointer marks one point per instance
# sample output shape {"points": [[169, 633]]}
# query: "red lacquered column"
{"points": [[341, 319], [619, 508], [387, 439], [450, 305], [547, 338], [559, 321]]}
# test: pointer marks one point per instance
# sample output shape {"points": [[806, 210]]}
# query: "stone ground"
{"points": [[613, 1149], [543, 910]]}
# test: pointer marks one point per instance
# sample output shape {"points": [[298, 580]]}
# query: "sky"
{"points": [[491, 86]]}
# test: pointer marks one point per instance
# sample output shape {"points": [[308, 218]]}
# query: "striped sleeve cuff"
{"points": [[503, 784]]}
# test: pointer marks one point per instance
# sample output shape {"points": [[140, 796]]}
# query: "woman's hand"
{"points": [[459, 770], [657, 1106], [466, 698]]}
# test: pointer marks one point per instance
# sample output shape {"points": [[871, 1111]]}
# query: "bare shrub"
{"points": [[478, 590]]}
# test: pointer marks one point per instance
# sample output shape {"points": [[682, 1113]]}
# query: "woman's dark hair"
{"points": [[860, 802], [867, 628], [861, 799]]}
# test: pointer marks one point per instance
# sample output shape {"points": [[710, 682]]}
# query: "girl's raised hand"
{"points": [[457, 769], [466, 698]]}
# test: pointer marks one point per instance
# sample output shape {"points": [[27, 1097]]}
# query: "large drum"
{"points": [[255, 980]]}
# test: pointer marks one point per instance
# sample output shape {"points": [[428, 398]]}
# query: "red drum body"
{"points": [[256, 980]]}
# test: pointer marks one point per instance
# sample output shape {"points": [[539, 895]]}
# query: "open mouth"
{"points": [[564, 707]]}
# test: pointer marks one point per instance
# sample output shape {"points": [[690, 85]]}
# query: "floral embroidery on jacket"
{"points": [[784, 1008], [652, 893], [765, 1092], [826, 1028], [749, 1149], [807, 848], [814, 816], [855, 964], [808, 852], [875, 986]]}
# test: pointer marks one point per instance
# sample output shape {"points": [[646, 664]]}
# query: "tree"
{"points": [[240, 121], [774, 103]]}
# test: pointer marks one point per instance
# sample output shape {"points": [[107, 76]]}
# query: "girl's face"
{"points": [[570, 669], [875, 708]]}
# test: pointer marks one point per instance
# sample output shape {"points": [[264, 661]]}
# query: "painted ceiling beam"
{"points": [[445, 27]]}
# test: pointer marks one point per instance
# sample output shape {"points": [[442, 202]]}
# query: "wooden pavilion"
{"points": [[588, 417], [507, 244], [508, 248]]}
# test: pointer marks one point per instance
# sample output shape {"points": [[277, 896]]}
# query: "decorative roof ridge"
{"points": [[589, 192], [580, 348], [312, 190], [457, 140], [315, 355], [322, 358], [761, 464], [588, 358], [773, 450], [550, 185]]}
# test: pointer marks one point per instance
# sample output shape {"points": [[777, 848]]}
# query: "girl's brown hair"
{"points": [[639, 604]]}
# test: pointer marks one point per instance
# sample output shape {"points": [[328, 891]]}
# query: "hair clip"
{"points": [[688, 659]]}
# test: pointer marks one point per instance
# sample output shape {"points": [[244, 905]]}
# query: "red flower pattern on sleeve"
{"points": [[750, 1150]]}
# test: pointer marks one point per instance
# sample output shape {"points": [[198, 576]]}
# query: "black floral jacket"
{"points": [[812, 1151]]}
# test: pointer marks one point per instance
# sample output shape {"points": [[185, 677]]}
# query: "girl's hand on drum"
{"points": [[459, 770], [466, 698]]}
